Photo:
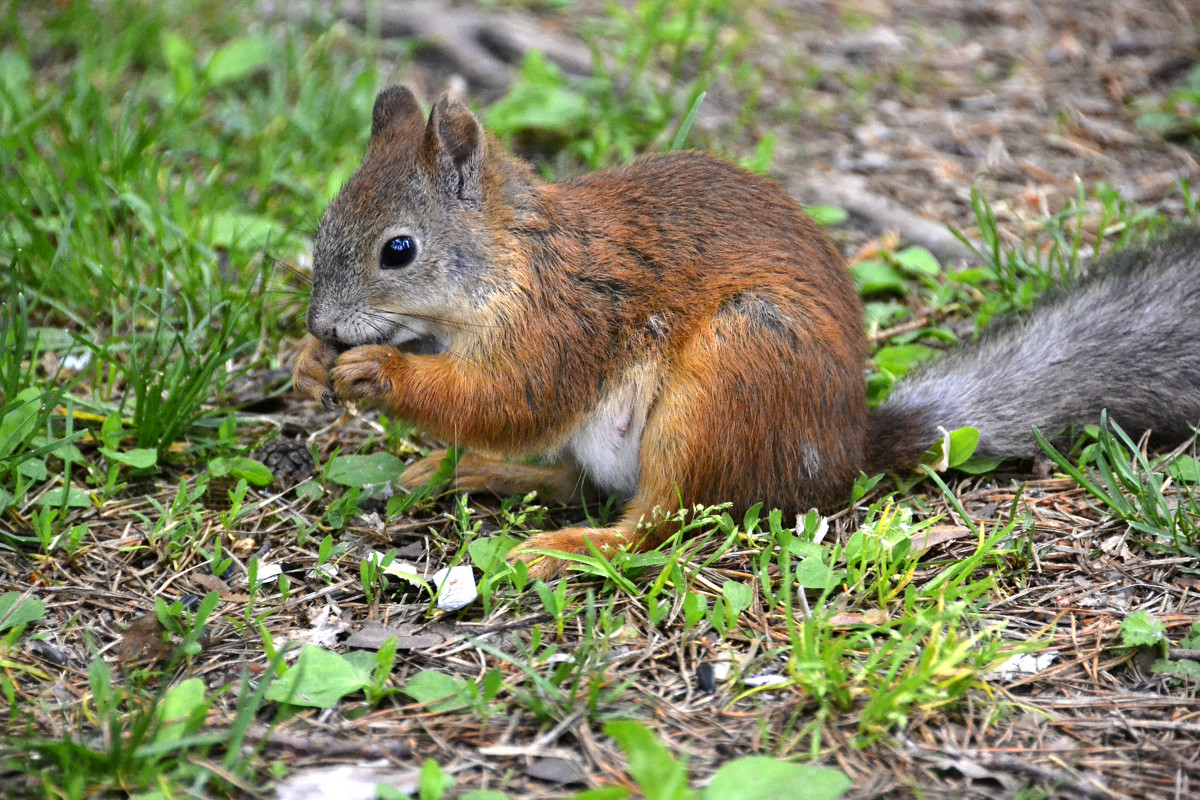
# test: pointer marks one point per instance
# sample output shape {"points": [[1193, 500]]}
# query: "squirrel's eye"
{"points": [[397, 252]]}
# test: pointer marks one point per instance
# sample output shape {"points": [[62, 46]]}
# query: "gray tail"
{"points": [[1126, 339]]}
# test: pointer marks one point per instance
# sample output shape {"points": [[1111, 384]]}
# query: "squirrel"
{"points": [[678, 331]]}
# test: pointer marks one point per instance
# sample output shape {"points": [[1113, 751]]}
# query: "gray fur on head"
{"points": [[418, 180]]}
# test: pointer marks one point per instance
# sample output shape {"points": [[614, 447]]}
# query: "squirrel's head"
{"points": [[403, 247]]}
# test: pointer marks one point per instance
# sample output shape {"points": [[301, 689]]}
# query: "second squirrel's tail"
{"points": [[1125, 339]]}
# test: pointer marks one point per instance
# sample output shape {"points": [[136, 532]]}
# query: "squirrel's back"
{"points": [[1125, 339], [745, 310]]}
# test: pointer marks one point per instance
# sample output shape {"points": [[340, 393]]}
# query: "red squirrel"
{"points": [[679, 331]]}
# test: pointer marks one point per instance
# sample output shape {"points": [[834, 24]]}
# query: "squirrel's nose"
{"points": [[320, 326]]}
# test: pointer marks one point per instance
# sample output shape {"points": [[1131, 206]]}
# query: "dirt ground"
{"points": [[893, 110]]}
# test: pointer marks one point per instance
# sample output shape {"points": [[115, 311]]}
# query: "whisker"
{"points": [[382, 331], [448, 323], [460, 357], [286, 292], [288, 268]]}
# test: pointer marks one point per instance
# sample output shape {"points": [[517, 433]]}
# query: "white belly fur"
{"points": [[607, 445]]}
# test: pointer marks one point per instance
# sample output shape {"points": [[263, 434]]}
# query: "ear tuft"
{"points": [[454, 148], [394, 106]]}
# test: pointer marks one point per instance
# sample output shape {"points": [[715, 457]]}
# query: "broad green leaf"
{"points": [[873, 277], [766, 778], [487, 553], [1185, 470], [760, 162], [75, 498], [918, 261], [239, 59], [863, 485], [979, 465], [1183, 668], [603, 793], [247, 469], [434, 781], [19, 420], [19, 609], [364, 470], [738, 596], [1140, 629], [1192, 639], [974, 276], [318, 679], [538, 101], [882, 314], [363, 660], [175, 712], [1160, 122], [138, 458], [694, 607], [181, 61], [657, 772], [813, 573], [445, 692], [310, 491], [111, 430], [899, 359], [962, 445], [34, 469], [827, 215], [177, 52], [15, 75]]}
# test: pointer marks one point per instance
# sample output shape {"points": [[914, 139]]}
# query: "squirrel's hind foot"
{"points": [[571, 541], [644, 526]]}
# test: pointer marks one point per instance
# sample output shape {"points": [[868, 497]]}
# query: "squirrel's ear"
{"points": [[394, 106], [454, 149]]}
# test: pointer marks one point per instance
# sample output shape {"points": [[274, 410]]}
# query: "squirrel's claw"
{"points": [[311, 374], [366, 373]]}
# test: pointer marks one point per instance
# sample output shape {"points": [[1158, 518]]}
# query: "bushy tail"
{"points": [[1125, 339]]}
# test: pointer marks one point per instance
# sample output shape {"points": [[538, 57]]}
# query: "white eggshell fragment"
{"points": [[456, 587]]}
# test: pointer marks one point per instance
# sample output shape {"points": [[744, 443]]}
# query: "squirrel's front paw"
{"points": [[369, 373], [311, 373]]}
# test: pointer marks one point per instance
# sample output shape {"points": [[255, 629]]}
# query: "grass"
{"points": [[163, 166]]}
